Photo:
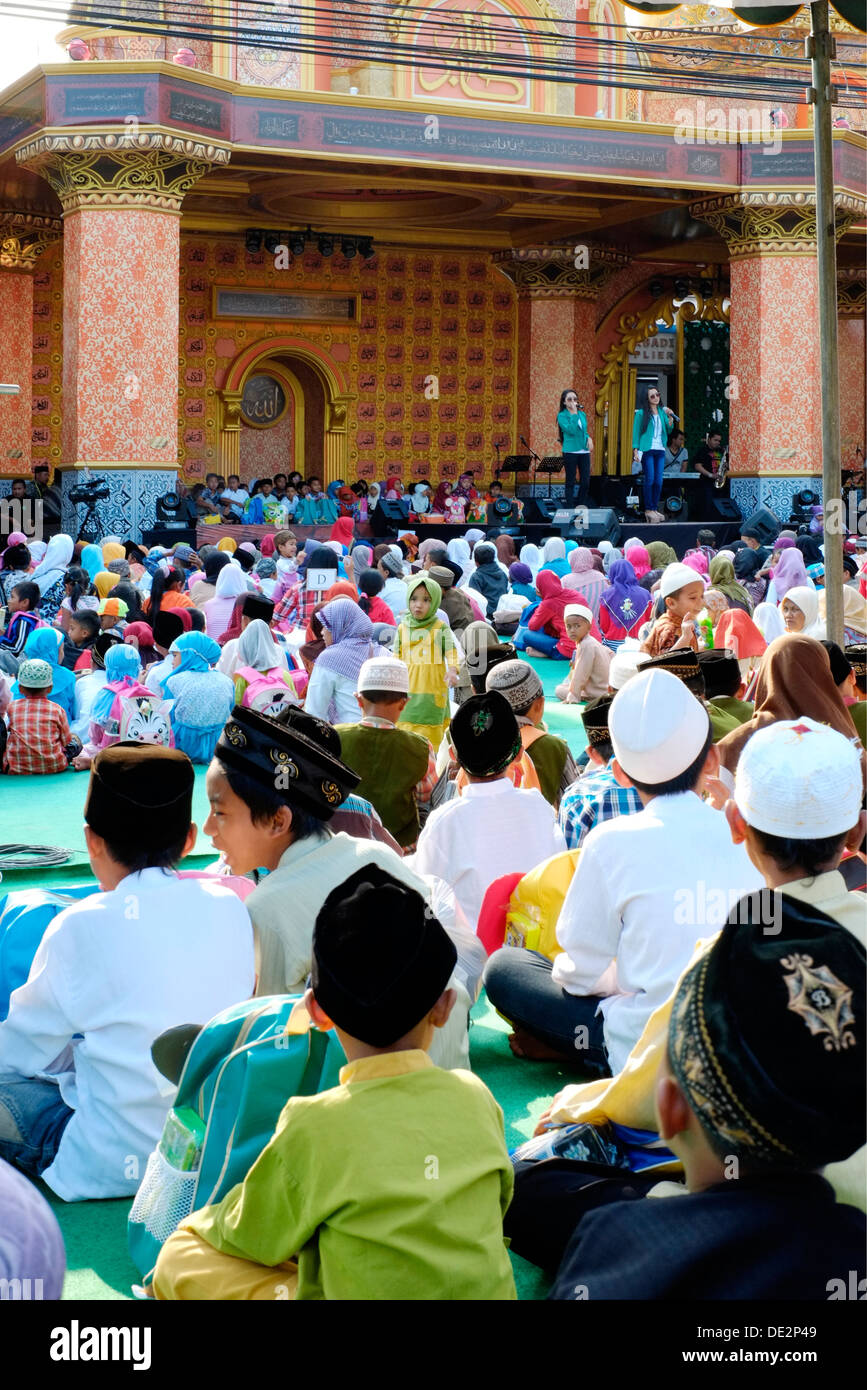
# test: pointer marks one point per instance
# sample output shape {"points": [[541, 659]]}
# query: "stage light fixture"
{"points": [[805, 498], [272, 241], [656, 288], [253, 241], [350, 247], [297, 243], [673, 506], [365, 247], [325, 244]]}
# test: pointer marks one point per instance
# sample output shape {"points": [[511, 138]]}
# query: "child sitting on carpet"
{"points": [[84, 627], [588, 675], [683, 593], [39, 740], [81, 1102], [362, 1156], [23, 608]]}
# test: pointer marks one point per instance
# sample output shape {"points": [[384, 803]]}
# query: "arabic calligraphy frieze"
{"points": [[270, 304], [193, 110], [108, 102]]}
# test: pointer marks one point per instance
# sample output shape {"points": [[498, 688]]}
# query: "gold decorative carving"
{"points": [[23, 238], [148, 169], [772, 224], [556, 272], [851, 292]]}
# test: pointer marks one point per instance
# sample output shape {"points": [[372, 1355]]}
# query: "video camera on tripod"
{"points": [[88, 495]]}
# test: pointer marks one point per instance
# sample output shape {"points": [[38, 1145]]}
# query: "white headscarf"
{"points": [[54, 563], [231, 581], [554, 549], [768, 620], [458, 551], [531, 555], [808, 602], [257, 648]]}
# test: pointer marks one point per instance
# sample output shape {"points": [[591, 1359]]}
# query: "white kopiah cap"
{"points": [[384, 673], [577, 610], [677, 576], [628, 659], [657, 726], [799, 780]]}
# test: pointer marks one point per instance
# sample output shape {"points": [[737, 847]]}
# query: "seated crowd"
{"points": [[670, 908]]}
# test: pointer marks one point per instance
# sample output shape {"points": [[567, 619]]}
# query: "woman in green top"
{"points": [[652, 425], [576, 445]]}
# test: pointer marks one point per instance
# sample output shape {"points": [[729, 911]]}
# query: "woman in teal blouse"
{"points": [[652, 425], [576, 445]]}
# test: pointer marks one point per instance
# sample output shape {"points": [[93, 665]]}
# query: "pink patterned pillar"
{"points": [[23, 237], [851, 305], [121, 202]]}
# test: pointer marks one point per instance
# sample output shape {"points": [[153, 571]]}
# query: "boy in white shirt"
{"points": [[233, 500], [81, 1102]]}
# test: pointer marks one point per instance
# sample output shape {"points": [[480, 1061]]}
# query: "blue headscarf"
{"points": [[122, 667], [46, 644], [198, 653], [91, 560], [625, 599]]}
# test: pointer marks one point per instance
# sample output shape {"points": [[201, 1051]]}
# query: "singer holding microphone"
{"points": [[575, 444], [650, 431]]}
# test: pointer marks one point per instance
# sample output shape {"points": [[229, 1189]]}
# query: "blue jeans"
{"points": [[652, 464], [33, 1117], [520, 986], [540, 641]]}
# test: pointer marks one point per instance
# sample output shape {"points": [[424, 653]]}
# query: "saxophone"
{"points": [[722, 475]]}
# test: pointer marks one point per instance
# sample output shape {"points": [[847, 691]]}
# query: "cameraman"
{"points": [[45, 492]]}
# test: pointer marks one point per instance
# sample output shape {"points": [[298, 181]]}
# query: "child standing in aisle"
{"points": [[427, 646]]}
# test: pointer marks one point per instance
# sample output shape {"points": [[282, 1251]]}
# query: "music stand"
{"points": [[518, 463], [553, 463]]}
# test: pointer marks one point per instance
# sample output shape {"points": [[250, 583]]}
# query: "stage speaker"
{"points": [[726, 509], [601, 525], [766, 523], [612, 492], [540, 508], [387, 515]]}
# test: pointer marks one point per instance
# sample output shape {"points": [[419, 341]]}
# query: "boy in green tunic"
{"points": [[392, 1185]]}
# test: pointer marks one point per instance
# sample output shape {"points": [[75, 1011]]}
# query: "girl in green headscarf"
{"points": [[426, 644], [661, 555], [722, 577]]}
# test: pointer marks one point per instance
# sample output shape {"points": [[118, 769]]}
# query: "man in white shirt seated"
{"points": [[676, 455], [646, 888], [233, 499], [81, 1103], [493, 828]]}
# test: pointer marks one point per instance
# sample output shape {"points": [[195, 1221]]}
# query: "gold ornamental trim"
{"points": [[851, 292], [129, 169], [23, 238], [558, 272], [772, 224]]}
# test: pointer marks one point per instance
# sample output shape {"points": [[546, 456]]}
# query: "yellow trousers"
{"points": [[190, 1270]]}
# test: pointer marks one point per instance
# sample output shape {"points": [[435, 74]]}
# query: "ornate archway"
{"points": [[332, 378], [615, 394]]}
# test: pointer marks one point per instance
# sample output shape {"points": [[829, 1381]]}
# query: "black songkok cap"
{"points": [[102, 644], [257, 606], [297, 757], [720, 671], [857, 659], [166, 627], [841, 667], [482, 660], [486, 734], [767, 1036], [381, 959], [595, 720], [140, 792], [682, 663]]}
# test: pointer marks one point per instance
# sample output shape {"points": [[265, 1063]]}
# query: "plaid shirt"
{"points": [[296, 606], [38, 736], [594, 798]]}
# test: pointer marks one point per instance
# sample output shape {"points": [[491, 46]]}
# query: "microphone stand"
{"points": [[533, 455]]}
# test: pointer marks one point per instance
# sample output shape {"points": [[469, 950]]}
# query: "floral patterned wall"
{"points": [[430, 358], [47, 356]]}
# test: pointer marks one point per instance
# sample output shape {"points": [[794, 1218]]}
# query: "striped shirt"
{"points": [[18, 629], [594, 798]]}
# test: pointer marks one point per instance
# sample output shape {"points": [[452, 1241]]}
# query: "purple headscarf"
{"points": [[520, 574], [32, 1247], [351, 631], [625, 600], [790, 573]]}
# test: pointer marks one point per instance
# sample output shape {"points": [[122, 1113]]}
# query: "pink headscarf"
{"points": [[14, 538], [266, 547], [585, 579], [639, 559], [697, 560], [789, 573]]}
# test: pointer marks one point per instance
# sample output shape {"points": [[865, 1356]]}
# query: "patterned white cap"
{"points": [[624, 663], [657, 726], [384, 673], [577, 610], [799, 780], [677, 576]]}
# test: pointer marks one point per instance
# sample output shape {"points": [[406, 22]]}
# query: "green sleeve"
{"points": [[273, 1212], [397, 644], [636, 429], [240, 687]]}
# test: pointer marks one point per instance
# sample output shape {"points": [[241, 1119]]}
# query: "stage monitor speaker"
{"points": [[601, 525], [766, 523], [387, 515], [726, 509], [540, 508]]}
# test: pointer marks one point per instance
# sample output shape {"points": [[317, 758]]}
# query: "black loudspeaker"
{"points": [[612, 492], [390, 514], [725, 509], [602, 525], [540, 508], [766, 523]]}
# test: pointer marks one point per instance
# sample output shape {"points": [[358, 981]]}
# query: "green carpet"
{"points": [[49, 810]]}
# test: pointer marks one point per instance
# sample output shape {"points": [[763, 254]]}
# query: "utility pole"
{"points": [[820, 47]]}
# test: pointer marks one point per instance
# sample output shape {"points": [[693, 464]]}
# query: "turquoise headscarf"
{"points": [[122, 667], [46, 644], [91, 560], [198, 653]]}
